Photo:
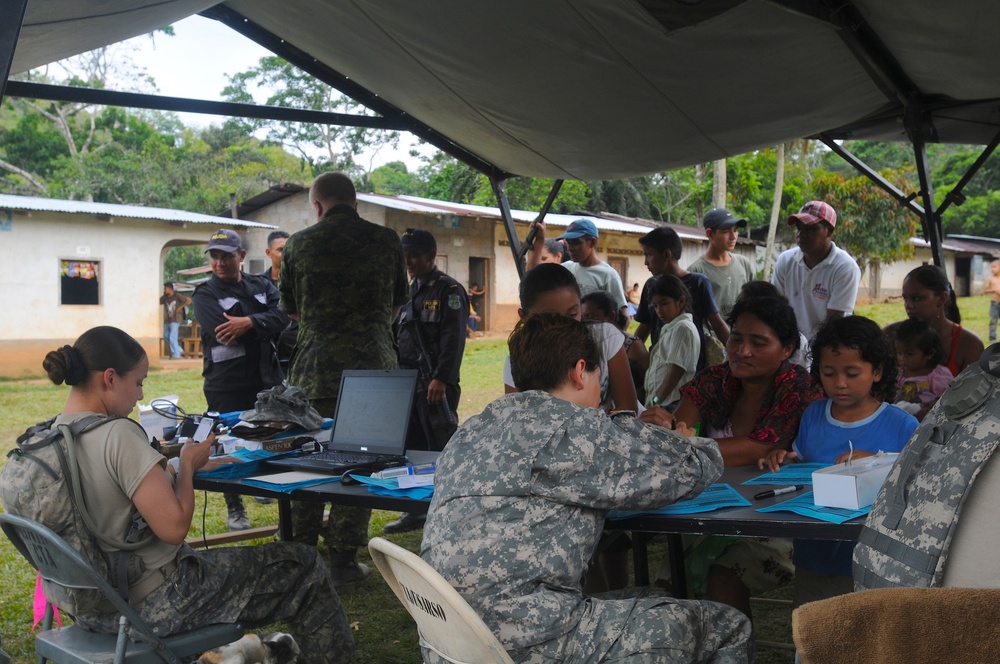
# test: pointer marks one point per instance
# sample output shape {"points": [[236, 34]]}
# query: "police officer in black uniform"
{"points": [[430, 335]]}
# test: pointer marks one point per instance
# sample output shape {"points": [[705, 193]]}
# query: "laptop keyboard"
{"points": [[343, 457]]}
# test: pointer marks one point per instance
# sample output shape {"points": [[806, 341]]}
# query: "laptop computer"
{"points": [[369, 427]]}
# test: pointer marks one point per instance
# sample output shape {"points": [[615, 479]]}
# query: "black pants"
{"points": [[428, 429]]}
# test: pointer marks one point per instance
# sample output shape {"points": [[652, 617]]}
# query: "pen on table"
{"points": [[777, 492]]}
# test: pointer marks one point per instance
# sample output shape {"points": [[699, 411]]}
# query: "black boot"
{"points": [[345, 570], [405, 523]]}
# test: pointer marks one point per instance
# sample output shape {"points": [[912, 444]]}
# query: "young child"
{"points": [[856, 366], [922, 377], [599, 306], [675, 356]]}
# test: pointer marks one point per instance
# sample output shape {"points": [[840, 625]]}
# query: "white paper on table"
{"points": [[291, 477], [410, 481]]}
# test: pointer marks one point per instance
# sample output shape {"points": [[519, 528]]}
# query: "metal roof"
{"points": [[417, 205], [10, 202]]}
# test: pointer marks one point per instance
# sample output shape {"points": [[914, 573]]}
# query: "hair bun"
{"points": [[65, 365]]}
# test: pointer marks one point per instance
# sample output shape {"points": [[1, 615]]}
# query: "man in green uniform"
{"points": [[344, 280]]}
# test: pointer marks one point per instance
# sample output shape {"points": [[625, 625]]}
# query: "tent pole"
{"points": [[906, 200], [500, 191], [9, 31], [955, 195], [529, 239], [931, 219]]}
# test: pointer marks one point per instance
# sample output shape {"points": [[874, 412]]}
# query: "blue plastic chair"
{"points": [[135, 642]]}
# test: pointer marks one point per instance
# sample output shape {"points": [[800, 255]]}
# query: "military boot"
{"points": [[346, 571]]}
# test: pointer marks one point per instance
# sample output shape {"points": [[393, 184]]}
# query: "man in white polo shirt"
{"points": [[819, 279]]}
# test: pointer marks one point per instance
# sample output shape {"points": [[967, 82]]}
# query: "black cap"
{"points": [[721, 219], [418, 239]]}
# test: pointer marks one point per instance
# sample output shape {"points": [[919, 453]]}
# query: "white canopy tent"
{"points": [[598, 89]]}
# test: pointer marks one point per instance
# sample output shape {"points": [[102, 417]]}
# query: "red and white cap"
{"points": [[814, 212]]}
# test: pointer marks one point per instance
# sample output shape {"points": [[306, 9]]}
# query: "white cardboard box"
{"points": [[853, 486]]}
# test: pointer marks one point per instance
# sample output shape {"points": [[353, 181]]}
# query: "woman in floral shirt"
{"points": [[751, 404]]}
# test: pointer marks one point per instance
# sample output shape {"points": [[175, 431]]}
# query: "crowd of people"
{"points": [[738, 372]]}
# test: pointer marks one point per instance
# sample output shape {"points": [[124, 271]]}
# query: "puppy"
{"points": [[276, 648]]}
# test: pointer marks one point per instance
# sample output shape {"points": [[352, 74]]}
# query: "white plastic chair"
{"points": [[447, 624]]}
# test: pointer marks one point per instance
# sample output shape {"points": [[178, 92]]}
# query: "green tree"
{"points": [[289, 86]]}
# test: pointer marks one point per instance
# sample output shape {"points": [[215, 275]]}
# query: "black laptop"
{"points": [[369, 427]]}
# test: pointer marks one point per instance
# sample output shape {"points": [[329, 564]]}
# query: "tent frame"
{"points": [[852, 26]]}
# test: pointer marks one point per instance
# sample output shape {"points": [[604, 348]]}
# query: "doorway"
{"points": [[479, 271]]}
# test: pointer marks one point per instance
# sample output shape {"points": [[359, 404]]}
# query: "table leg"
{"points": [[678, 575], [285, 519], [640, 558]]}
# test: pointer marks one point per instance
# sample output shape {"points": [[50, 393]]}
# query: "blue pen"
{"points": [[778, 492]]}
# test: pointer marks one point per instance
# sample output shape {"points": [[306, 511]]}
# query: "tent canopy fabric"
{"points": [[605, 89]]}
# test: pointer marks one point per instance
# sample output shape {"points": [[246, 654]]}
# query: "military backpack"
{"points": [[41, 482], [907, 538]]}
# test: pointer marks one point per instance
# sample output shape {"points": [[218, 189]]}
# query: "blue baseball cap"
{"points": [[579, 228]]}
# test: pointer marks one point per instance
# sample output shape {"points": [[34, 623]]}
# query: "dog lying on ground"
{"points": [[276, 648]]}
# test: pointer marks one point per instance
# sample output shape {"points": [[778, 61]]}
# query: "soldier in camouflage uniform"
{"points": [[344, 280], [520, 497]]}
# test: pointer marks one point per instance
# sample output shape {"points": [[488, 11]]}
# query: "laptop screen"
{"points": [[373, 411]]}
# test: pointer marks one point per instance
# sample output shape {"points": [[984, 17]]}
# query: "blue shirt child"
{"points": [[821, 439]]}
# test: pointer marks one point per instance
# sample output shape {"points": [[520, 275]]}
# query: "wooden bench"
{"points": [[192, 346]]}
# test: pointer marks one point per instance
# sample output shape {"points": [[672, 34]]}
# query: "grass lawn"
{"points": [[384, 631]]}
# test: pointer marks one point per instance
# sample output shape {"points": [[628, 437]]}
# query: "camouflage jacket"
{"points": [[342, 277], [520, 497]]}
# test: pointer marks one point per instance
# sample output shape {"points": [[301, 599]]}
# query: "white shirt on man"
{"points": [[831, 284]]}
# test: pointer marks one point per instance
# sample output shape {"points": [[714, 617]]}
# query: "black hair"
{"points": [[545, 346], [555, 247], [168, 284], [604, 303], [920, 335], [759, 288], [274, 235], [542, 279], [663, 239], [667, 285], [865, 336], [935, 280], [775, 312], [97, 349]]}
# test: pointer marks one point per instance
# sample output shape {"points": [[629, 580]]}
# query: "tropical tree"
{"points": [[284, 84]]}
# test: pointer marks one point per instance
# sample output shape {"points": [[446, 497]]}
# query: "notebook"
{"points": [[369, 427]]}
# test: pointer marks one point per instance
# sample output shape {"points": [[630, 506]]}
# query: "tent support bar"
{"points": [[903, 199], [500, 191], [335, 79], [917, 126], [955, 195], [10, 29], [529, 239], [180, 104]]}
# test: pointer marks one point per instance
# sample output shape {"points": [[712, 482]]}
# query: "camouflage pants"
{"points": [[346, 530], [348, 526], [254, 586], [646, 626]]}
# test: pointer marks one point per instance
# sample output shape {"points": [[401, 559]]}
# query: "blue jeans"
{"points": [[170, 332], [994, 315]]}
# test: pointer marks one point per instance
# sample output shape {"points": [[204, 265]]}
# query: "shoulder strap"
{"points": [[71, 471]]}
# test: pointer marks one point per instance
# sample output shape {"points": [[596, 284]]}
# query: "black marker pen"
{"points": [[777, 492]]}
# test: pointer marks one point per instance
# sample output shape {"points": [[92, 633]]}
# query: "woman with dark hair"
{"points": [[551, 287], [928, 296], [751, 404], [176, 588]]}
